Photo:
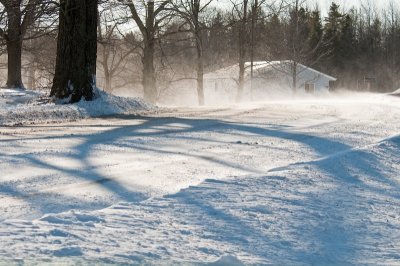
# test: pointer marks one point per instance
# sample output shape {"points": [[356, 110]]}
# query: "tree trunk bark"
{"points": [[32, 77], [14, 47], [294, 76], [242, 52], [76, 51], [14, 76], [294, 52], [107, 72], [108, 82], [199, 50], [254, 18], [200, 76], [239, 96], [149, 77]]}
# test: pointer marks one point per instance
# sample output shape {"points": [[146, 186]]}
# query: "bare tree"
{"points": [[114, 47], [148, 26], [190, 12], [254, 17], [18, 16], [241, 13], [39, 64]]}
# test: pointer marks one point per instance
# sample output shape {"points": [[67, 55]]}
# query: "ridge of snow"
{"points": [[396, 92]]}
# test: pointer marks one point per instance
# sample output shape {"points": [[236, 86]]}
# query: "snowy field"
{"points": [[308, 182]]}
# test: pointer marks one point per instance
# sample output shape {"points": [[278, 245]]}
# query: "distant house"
{"points": [[270, 79]]}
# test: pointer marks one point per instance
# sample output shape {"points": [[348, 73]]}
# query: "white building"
{"points": [[271, 80]]}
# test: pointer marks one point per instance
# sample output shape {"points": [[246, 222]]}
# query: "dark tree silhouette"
{"points": [[76, 51], [18, 17]]}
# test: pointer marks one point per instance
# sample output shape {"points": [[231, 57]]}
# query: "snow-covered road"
{"points": [[283, 183]]}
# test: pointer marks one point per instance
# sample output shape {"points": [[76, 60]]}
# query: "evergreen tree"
{"points": [[346, 52], [332, 37], [315, 37], [275, 38], [375, 39]]}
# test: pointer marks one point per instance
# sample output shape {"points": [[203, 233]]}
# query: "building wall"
{"points": [[220, 89]]}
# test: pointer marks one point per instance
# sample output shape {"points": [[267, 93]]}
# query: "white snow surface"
{"points": [[308, 182], [396, 92], [19, 107]]}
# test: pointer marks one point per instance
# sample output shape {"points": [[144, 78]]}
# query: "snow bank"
{"points": [[19, 107], [397, 92], [227, 261]]}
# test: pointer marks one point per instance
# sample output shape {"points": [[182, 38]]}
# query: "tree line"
{"points": [[152, 44]]}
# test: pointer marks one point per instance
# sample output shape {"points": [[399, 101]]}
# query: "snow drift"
{"points": [[19, 107]]}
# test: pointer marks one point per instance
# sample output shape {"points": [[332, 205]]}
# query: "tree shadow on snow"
{"points": [[318, 219]]}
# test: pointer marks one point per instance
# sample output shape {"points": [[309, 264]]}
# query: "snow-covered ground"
{"points": [[308, 182], [18, 107]]}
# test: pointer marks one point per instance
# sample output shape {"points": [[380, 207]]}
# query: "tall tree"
{"points": [[254, 17], [299, 32], [346, 52], [316, 34], [241, 12], [219, 45], [332, 35], [75, 74], [148, 28], [191, 11], [275, 40], [392, 44], [19, 16]]}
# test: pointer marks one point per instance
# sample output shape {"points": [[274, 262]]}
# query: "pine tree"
{"points": [[275, 38], [315, 36], [347, 53], [332, 37]]}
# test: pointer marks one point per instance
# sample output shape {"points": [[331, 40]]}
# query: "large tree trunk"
{"points": [[76, 51], [14, 76], [14, 48]]}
